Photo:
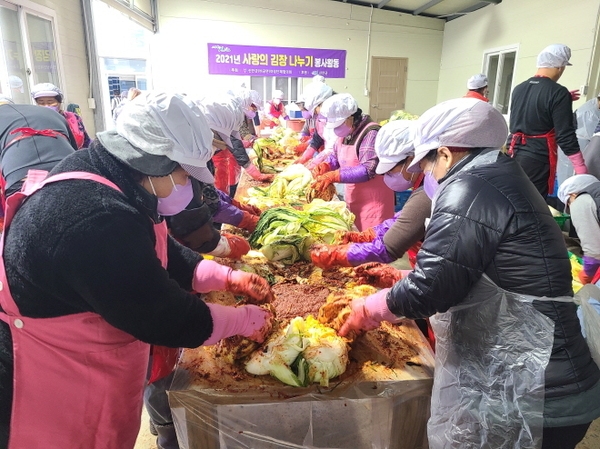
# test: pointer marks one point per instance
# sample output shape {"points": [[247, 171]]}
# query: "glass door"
{"points": [[42, 50], [13, 67]]}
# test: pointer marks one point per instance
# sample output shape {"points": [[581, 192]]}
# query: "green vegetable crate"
{"points": [[561, 219]]}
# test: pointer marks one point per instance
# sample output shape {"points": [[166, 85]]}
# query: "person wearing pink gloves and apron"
{"points": [[314, 95], [353, 162], [89, 279]]}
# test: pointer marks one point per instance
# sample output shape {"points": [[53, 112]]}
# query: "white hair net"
{"points": [[338, 108], [314, 94], [575, 184], [394, 143], [462, 123], [554, 56]]}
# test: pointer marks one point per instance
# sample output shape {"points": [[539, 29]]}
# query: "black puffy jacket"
{"points": [[491, 219]]}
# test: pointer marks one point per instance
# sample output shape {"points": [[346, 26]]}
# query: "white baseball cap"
{"points": [[394, 143], [462, 123], [554, 56], [477, 81], [278, 94], [337, 108]]}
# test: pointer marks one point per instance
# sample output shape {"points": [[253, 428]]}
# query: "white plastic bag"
{"points": [[591, 318]]}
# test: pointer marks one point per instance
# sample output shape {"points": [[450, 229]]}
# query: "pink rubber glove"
{"points": [[210, 276], [249, 321], [575, 95], [249, 284], [367, 313], [252, 170], [578, 163], [306, 156]]}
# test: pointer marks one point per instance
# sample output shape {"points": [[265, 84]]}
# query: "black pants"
{"points": [[537, 171], [564, 437]]}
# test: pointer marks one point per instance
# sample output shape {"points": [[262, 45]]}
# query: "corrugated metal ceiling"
{"points": [[439, 9]]}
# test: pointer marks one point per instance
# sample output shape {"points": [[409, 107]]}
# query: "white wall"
{"points": [[530, 24], [73, 52], [179, 51]]}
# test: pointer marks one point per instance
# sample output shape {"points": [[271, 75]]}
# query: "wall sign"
{"points": [[246, 60]]}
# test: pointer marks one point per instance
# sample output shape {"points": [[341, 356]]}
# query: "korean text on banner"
{"points": [[246, 60]]}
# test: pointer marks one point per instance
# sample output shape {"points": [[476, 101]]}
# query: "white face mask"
{"points": [[277, 101]]}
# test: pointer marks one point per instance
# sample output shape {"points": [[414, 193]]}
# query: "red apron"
{"points": [[74, 125], [372, 202], [227, 170], [78, 381], [521, 139]]}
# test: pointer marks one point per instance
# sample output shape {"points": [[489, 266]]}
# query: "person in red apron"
{"points": [[50, 96], [478, 87], [30, 137], [314, 95], [85, 287], [353, 162], [225, 117], [541, 120], [275, 110]]}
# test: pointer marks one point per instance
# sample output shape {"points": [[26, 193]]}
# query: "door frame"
{"points": [[371, 89]]}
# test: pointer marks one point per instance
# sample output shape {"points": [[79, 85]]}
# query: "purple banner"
{"points": [[246, 60]]}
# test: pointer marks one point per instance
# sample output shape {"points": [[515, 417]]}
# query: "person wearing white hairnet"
{"points": [[91, 279], [353, 162], [388, 241], [49, 96], [512, 367], [541, 120], [581, 196], [478, 87], [275, 110], [250, 102], [587, 117], [313, 97], [5, 99], [225, 116]]}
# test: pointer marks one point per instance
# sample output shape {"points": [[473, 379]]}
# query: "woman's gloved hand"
{"points": [[249, 221], [578, 163], [326, 180], [329, 256], [575, 94], [584, 278], [249, 284], [231, 246], [255, 174], [306, 156], [378, 274], [249, 321], [367, 313], [301, 148], [320, 169], [246, 207], [365, 236]]}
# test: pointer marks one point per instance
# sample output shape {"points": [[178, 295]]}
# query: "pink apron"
{"points": [[372, 202], [77, 381]]}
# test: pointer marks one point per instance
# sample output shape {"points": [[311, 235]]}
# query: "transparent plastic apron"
{"points": [[492, 351]]}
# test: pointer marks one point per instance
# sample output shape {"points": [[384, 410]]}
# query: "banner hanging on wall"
{"points": [[247, 60]]}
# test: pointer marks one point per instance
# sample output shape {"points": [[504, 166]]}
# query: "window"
{"points": [[28, 54], [500, 68], [265, 85]]}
